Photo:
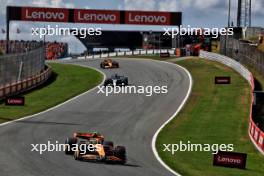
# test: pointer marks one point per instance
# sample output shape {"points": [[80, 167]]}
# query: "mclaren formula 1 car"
{"points": [[116, 80], [93, 147], [109, 63]]}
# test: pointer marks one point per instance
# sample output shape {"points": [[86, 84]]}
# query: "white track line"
{"points": [[154, 138], [57, 106]]}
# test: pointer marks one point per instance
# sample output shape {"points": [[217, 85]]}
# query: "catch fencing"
{"points": [[21, 72], [25, 84], [255, 133], [243, 52], [17, 67]]}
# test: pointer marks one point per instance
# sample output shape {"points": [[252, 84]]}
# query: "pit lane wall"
{"points": [[255, 133]]}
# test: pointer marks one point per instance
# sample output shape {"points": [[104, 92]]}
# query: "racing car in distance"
{"points": [[109, 63], [105, 150], [116, 80]]}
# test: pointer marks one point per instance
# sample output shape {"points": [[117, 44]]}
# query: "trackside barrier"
{"points": [[130, 53], [25, 85], [136, 52], [255, 133], [112, 54], [104, 55], [121, 53]]}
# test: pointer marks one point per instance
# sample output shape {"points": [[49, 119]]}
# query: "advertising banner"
{"points": [[93, 16], [97, 16], [44, 14], [147, 18], [230, 159]]}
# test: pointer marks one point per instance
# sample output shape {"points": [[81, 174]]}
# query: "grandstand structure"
{"points": [[53, 50], [17, 46]]}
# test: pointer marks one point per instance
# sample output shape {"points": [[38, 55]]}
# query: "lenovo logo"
{"points": [[96, 16], [230, 159], [222, 80], [45, 14], [15, 101], [148, 18]]}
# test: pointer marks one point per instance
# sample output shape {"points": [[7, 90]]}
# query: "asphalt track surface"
{"points": [[127, 119]]}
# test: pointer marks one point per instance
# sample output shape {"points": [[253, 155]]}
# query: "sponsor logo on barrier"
{"points": [[15, 101], [147, 18], [45, 14], [230, 159], [163, 55], [97, 16], [222, 80]]}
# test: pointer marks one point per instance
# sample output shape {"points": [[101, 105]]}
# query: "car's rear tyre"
{"points": [[69, 144], [116, 65], [126, 82], [108, 83], [102, 65], [120, 152], [108, 143], [76, 155]]}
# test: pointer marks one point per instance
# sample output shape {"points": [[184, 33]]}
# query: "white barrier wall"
{"points": [[112, 54], [229, 62], [130, 53]]}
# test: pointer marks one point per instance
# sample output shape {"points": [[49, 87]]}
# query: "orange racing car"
{"points": [[93, 147], [109, 63]]}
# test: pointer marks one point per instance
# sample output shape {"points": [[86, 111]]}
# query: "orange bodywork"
{"points": [[89, 136], [100, 150], [109, 63], [101, 153]]}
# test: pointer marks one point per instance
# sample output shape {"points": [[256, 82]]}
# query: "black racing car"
{"points": [[116, 80]]}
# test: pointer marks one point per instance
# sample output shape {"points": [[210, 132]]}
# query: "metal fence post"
{"points": [[20, 70]]}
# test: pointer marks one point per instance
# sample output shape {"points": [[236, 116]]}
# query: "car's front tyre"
{"points": [[76, 155]]}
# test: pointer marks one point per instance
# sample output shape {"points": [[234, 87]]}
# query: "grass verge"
{"points": [[214, 114], [66, 82]]}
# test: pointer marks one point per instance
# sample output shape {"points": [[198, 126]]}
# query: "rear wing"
{"points": [[87, 135]]}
